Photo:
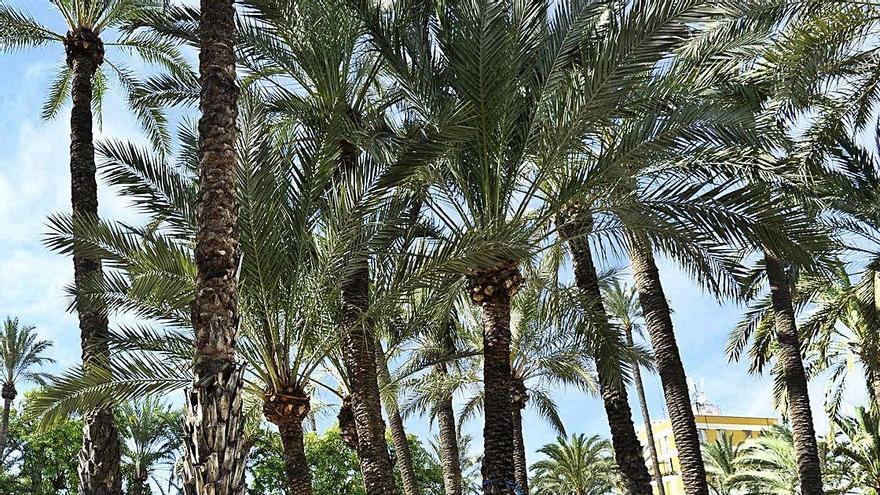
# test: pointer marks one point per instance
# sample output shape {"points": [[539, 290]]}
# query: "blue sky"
{"points": [[34, 182]]}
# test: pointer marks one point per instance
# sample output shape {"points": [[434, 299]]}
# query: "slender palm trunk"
{"points": [[574, 226], [520, 466], [449, 450], [658, 320], [646, 416], [403, 455], [359, 354], [99, 459], [288, 410], [493, 290], [794, 377], [4, 426], [214, 438]]}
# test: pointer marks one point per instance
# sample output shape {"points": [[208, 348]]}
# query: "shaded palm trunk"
{"points": [[658, 320], [574, 226], [794, 377], [403, 455], [288, 411], [359, 355], [347, 428], [214, 438], [646, 416], [99, 459], [8, 395], [519, 396], [450, 455], [493, 290]]}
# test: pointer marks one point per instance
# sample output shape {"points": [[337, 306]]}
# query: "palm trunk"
{"points": [[359, 354], [299, 478], [288, 409], [794, 377], [449, 451], [658, 320], [403, 455], [99, 459], [574, 226], [493, 290], [4, 427], [646, 416], [520, 467], [214, 438]]}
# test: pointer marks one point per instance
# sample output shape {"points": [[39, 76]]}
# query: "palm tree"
{"points": [[579, 466], [86, 81], [20, 353], [215, 457], [857, 445], [722, 458], [484, 187], [149, 429], [544, 354], [285, 332], [626, 311]]}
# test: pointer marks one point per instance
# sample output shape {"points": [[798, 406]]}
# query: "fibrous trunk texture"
{"points": [[214, 438], [449, 450], [519, 397], [574, 226], [403, 455], [347, 428], [288, 409], [658, 321], [492, 290], [99, 459], [646, 416], [794, 377], [359, 355]]}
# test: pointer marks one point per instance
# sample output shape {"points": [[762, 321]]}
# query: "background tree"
{"points": [[578, 466], [150, 431], [21, 353]]}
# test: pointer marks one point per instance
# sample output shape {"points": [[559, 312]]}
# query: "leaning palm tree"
{"points": [[150, 431], [20, 353], [624, 307], [579, 466], [86, 81]]}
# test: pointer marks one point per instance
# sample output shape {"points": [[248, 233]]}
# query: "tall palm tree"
{"points": [[544, 354], [624, 307], [285, 329], [20, 353], [579, 466], [484, 187], [86, 82], [150, 431], [214, 421]]}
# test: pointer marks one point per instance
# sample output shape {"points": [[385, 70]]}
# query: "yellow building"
{"points": [[710, 427]]}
